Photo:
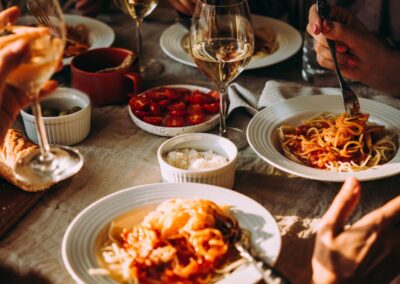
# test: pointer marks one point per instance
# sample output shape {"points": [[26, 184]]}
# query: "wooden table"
{"points": [[119, 155]]}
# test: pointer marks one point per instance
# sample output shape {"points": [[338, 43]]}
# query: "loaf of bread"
{"points": [[14, 147]]}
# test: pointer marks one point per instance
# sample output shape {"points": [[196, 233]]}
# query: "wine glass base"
{"points": [[236, 135], [151, 68], [32, 170]]}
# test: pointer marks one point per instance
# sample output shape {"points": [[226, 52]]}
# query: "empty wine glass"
{"points": [[138, 10], [46, 49], [222, 43]]}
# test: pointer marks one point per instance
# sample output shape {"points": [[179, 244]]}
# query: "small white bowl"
{"points": [[69, 129], [223, 176]]}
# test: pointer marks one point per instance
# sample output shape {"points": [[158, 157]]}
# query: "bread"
{"points": [[14, 147]]}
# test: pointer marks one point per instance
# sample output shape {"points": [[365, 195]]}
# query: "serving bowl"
{"points": [[68, 129], [223, 176]]}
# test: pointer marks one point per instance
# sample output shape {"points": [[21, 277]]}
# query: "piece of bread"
{"points": [[14, 147]]}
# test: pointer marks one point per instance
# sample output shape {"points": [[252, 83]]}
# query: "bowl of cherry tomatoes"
{"points": [[175, 109]]}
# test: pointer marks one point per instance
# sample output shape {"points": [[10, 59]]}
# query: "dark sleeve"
{"points": [[270, 8]]}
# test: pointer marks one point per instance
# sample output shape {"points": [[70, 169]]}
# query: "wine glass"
{"points": [[46, 49], [138, 10], [222, 43]]}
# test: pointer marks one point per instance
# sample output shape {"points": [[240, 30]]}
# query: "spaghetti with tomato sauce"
{"points": [[339, 143], [182, 241]]}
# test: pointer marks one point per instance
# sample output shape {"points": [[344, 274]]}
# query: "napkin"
{"points": [[274, 92]]}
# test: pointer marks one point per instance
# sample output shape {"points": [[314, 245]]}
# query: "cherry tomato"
{"points": [[177, 106], [164, 103], [155, 120], [211, 108], [155, 109], [172, 121], [140, 113], [195, 108], [214, 95], [198, 97], [180, 113], [156, 95], [195, 118], [139, 103], [172, 94]]}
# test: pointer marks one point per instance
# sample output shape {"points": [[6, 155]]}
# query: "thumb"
{"points": [[11, 57], [342, 206]]}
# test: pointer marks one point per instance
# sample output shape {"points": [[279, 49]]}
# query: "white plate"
{"points": [[101, 35], [289, 40], [262, 134], [79, 242], [174, 131]]}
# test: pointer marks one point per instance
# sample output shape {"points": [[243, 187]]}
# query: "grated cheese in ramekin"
{"points": [[190, 159]]}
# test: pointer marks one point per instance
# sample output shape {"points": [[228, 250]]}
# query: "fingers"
{"points": [[345, 60], [9, 16], [88, 7], [314, 26], [10, 57], [183, 6], [383, 217], [342, 206]]}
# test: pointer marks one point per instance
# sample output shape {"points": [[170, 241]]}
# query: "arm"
{"points": [[361, 56], [91, 7], [368, 250]]}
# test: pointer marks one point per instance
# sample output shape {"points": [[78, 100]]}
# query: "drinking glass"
{"points": [[46, 49], [138, 10], [222, 43]]}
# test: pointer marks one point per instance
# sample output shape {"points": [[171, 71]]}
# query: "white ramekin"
{"points": [[223, 176], [69, 129]]}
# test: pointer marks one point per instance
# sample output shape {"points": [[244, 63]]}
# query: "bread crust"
{"points": [[16, 146]]}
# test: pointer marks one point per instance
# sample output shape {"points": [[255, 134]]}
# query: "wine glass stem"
{"points": [[222, 108], [46, 156], [138, 23]]}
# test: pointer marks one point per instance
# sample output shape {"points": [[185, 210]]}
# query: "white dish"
{"points": [[289, 40], [223, 176], [212, 121], [81, 237], [101, 35], [263, 137]]}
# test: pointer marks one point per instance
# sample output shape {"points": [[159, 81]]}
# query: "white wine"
{"points": [[45, 56], [138, 9], [222, 59]]}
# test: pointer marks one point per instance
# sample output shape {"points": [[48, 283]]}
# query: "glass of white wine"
{"points": [[222, 43], [46, 49], [138, 10]]}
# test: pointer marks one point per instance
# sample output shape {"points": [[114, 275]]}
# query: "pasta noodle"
{"points": [[182, 241], [338, 142]]}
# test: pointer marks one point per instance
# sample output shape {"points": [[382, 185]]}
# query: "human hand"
{"points": [[361, 56], [184, 6], [90, 7], [13, 100], [368, 250]]}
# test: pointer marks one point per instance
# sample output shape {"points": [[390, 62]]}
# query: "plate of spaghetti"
{"points": [[311, 137], [167, 233], [85, 33]]}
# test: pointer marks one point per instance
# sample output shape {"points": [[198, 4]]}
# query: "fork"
{"points": [[350, 100], [37, 11]]}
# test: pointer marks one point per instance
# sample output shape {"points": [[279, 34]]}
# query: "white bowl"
{"points": [[69, 129], [223, 176]]}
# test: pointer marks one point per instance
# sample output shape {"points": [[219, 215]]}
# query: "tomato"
{"points": [[172, 121], [195, 118], [155, 109], [214, 95], [177, 106], [198, 97], [195, 108], [140, 113], [155, 120], [156, 95], [211, 108], [164, 103], [172, 94], [139, 103], [180, 113]]}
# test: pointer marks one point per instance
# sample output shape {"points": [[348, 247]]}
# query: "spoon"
{"points": [[125, 64]]}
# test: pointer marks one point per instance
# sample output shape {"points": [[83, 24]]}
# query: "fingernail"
{"points": [[341, 48], [352, 62], [352, 183], [328, 26], [315, 28]]}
